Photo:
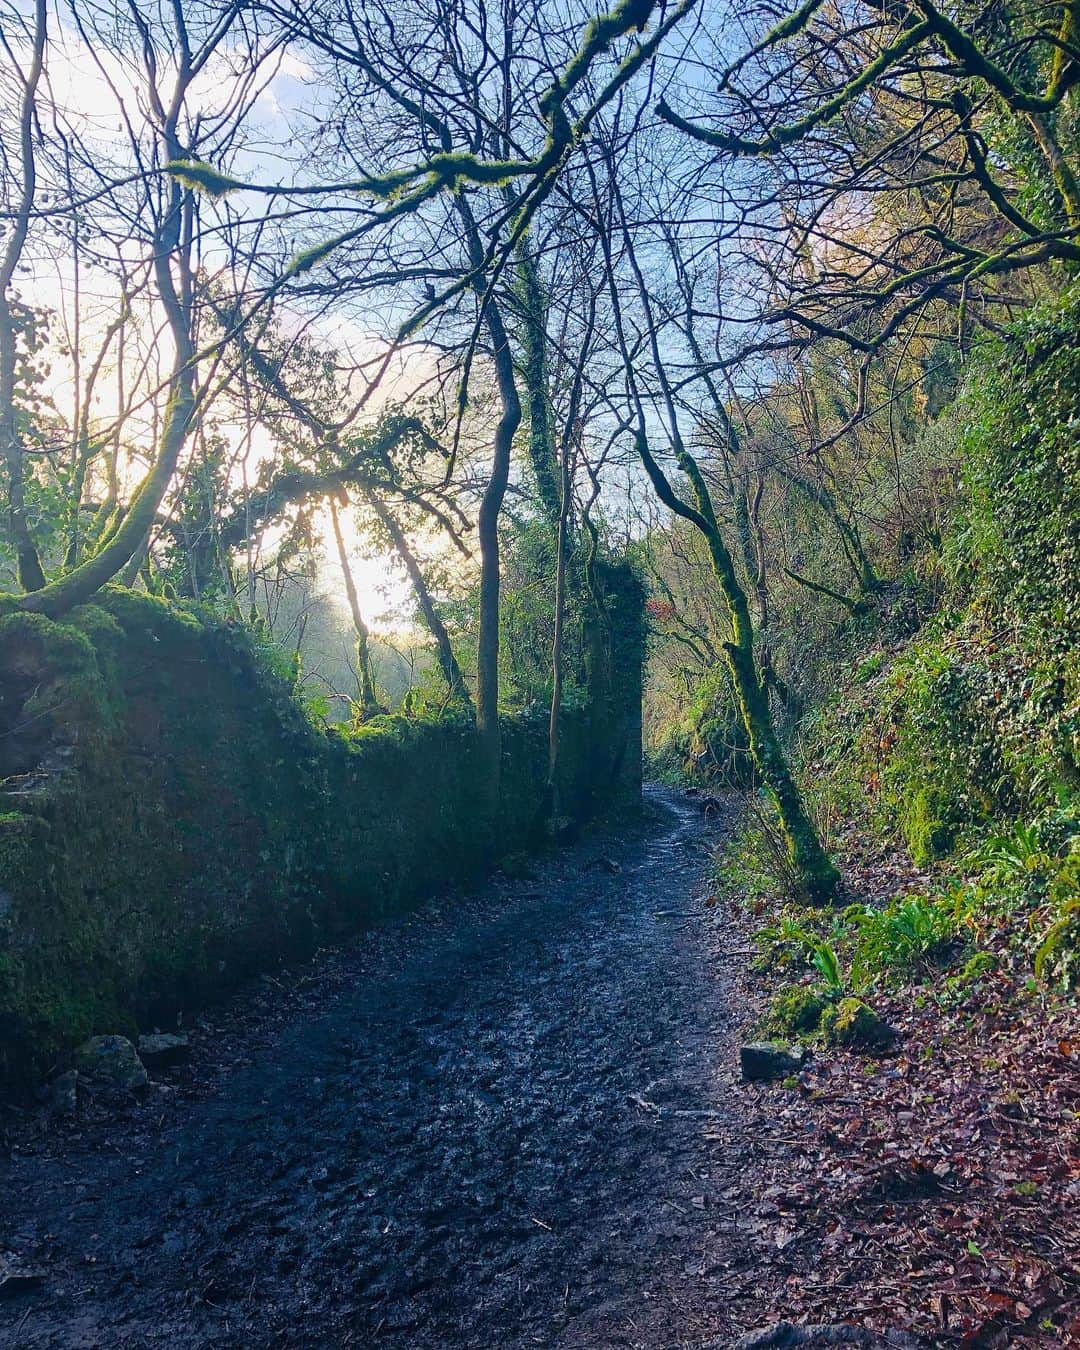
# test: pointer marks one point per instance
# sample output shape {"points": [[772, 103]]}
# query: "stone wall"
{"points": [[171, 822]]}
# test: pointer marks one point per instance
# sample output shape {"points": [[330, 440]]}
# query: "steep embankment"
{"points": [[947, 766], [171, 820]]}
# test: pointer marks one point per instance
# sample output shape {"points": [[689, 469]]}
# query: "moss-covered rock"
{"points": [[762, 1061], [795, 1011], [855, 1026], [113, 1060], [977, 967]]}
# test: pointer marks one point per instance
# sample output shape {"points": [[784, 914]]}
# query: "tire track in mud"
{"points": [[487, 1126]]}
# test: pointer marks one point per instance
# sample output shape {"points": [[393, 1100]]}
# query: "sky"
{"points": [[90, 88]]}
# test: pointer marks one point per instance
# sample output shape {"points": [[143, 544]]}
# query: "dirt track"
{"points": [[498, 1124]]}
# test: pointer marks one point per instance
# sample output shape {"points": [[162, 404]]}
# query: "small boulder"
{"points": [[857, 1027], [113, 1060], [64, 1095], [164, 1049], [16, 1279], [762, 1061]]}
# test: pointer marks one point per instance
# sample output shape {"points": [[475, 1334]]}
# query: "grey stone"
{"points": [[763, 1060], [112, 1059], [13, 1282], [64, 1094], [164, 1048]]}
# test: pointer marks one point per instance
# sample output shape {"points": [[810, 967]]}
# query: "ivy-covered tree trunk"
{"points": [[487, 524], [558, 640], [487, 532], [533, 338], [816, 874]]}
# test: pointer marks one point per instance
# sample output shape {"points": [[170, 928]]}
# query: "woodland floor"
{"points": [[514, 1119]]}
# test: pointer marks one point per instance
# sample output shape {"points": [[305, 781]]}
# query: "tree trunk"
{"points": [[487, 531], [487, 525], [447, 660], [369, 702], [534, 345], [31, 576], [816, 874], [172, 245], [557, 643]]}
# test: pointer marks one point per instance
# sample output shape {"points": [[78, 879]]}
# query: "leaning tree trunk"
{"points": [[448, 663], [31, 576], [128, 536], [369, 702], [816, 873]]}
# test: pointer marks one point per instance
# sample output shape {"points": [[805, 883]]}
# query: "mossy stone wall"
{"points": [[171, 822]]}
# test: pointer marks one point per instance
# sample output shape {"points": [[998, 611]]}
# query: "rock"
{"points": [[16, 1279], [164, 1049], [854, 1025], [64, 1094], [795, 1011], [781, 1335], [764, 1060], [112, 1059]]}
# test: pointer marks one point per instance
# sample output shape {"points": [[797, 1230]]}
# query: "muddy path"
{"points": [[504, 1122]]}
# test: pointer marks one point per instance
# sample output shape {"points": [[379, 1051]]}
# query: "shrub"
{"points": [[903, 936]]}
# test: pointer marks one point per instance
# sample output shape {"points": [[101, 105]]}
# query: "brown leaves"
{"points": [[937, 1191]]}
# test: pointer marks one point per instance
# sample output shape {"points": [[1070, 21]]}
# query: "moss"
{"points": [[189, 826], [928, 830], [977, 966], [854, 1025], [795, 1011]]}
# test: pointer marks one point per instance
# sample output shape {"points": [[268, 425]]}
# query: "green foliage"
{"points": [[827, 964], [708, 744], [976, 967], [976, 719], [1057, 956], [905, 936], [786, 943]]}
